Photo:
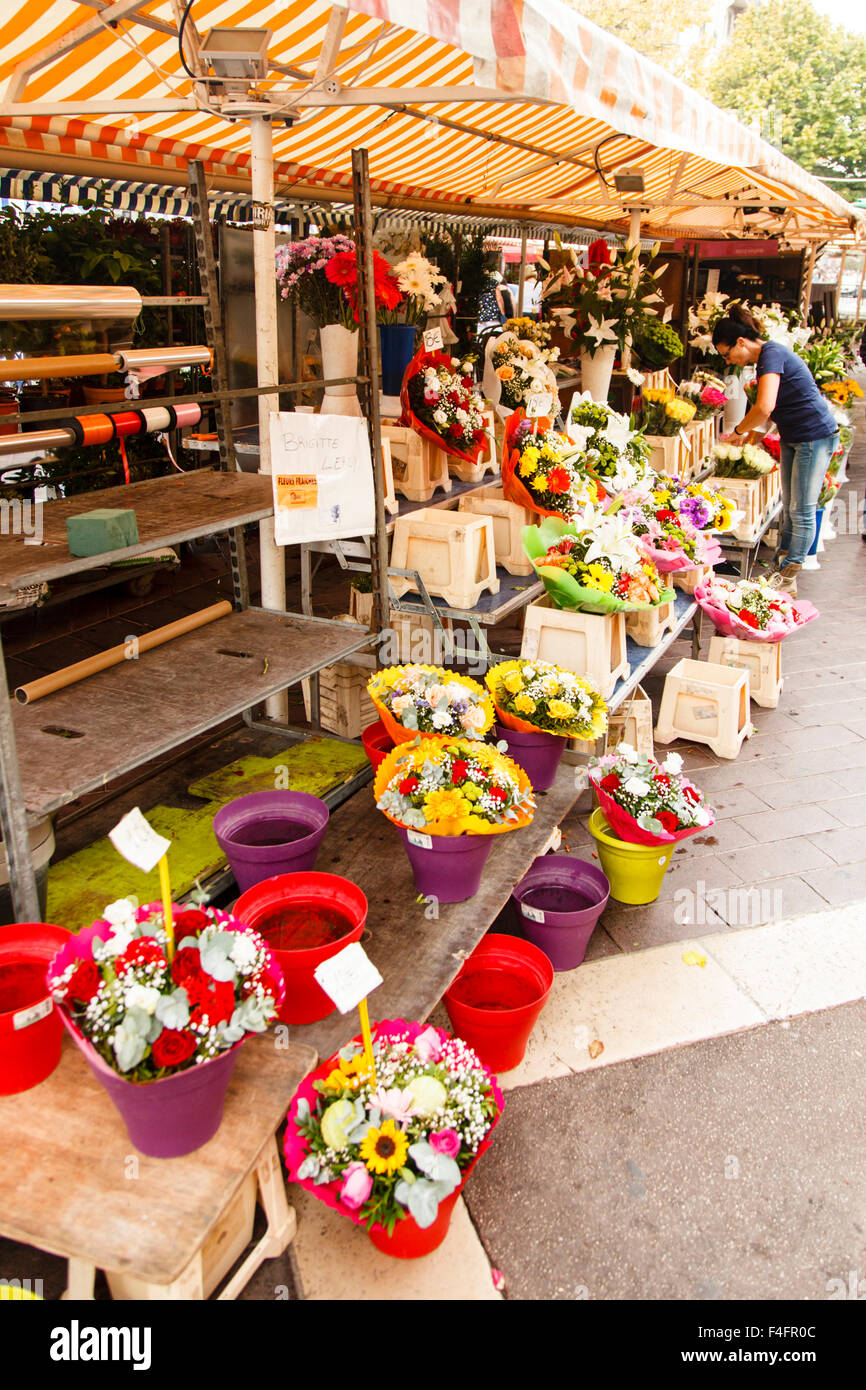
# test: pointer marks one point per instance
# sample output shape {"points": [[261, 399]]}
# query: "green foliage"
{"points": [[460, 257], [804, 78], [664, 30], [657, 344]]}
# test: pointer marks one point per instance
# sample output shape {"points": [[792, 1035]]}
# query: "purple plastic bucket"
{"points": [[270, 833], [449, 867], [559, 902], [170, 1117], [538, 754]]}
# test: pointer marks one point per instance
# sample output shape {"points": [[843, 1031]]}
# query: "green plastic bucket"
{"points": [[635, 872]]}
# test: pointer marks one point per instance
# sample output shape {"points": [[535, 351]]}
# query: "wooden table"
{"points": [[72, 1183]]}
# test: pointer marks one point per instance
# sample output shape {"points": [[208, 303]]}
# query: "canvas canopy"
{"points": [[519, 110]]}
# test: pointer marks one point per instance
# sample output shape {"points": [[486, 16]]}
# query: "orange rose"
{"points": [[505, 373]]}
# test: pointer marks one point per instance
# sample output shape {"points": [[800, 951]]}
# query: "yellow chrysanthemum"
{"points": [[527, 467], [336, 1080], [384, 1149], [540, 483], [561, 709], [530, 454], [445, 804], [525, 704], [513, 682]]}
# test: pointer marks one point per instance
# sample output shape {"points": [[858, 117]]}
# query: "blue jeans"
{"points": [[803, 467]]}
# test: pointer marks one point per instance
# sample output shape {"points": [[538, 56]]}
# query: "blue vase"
{"points": [[397, 348], [819, 517]]}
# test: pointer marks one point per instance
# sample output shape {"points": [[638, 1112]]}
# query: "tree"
{"points": [[804, 79], [667, 31]]}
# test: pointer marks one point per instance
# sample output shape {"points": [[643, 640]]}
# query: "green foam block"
{"points": [[104, 529]]}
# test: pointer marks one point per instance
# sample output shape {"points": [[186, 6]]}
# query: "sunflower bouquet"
{"points": [[431, 701], [741, 461], [545, 471], [596, 564], [842, 393], [645, 802], [616, 454], [453, 788], [541, 697], [381, 1150]]}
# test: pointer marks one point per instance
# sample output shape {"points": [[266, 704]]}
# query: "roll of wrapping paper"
{"points": [[165, 357], [43, 368], [69, 302], [32, 441], [115, 656], [155, 420]]}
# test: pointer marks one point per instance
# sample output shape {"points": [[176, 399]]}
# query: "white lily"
{"points": [[600, 330], [617, 430], [614, 541]]}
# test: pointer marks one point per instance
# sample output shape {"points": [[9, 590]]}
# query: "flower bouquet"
{"points": [[539, 706], [532, 330], [663, 413], [843, 393], [161, 1037], [420, 283], [741, 461], [706, 399], [647, 803], [595, 564], [321, 275], [751, 610], [706, 509], [615, 453], [829, 488], [449, 800], [515, 369], [669, 539], [393, 1154], [440, 402], [428, 700], [543, 470]]}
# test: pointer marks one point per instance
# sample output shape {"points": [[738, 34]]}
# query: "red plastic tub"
{"points": [[377, 742], [495, 1001], [305, 918], [31, 1030]]}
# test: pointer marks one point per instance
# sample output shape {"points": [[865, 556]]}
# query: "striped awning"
{"points": [[520, 111]]}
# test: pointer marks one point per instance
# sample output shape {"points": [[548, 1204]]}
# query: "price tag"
{"points": [[533, 913], [138, 842], [538, 404], [433, 340], [32, 1015], [687, 443], [417, 837], [348, 977]]}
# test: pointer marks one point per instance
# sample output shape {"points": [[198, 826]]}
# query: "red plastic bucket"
{"points": [[329, 900], [31, 1030], [495, 1001], [377, 742]]}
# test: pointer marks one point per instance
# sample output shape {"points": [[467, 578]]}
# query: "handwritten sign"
{"points": [[433, 340], [138, 842], [538, 404], [348, 977], [322, 477]]}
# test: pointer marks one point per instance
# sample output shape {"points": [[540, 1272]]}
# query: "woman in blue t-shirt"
{"points": [[787, 395]]}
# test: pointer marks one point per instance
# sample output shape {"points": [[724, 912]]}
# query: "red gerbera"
{"points": [[408, 785], [558, 480], [498, 793], [668, 821], [745, 616], [342, 269]]}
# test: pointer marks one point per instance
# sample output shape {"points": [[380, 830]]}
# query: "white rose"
{"points": [[144, 997], [626, 751], [243, 953], [440, 417], [673, 764], [121, 913], [636, 786]]}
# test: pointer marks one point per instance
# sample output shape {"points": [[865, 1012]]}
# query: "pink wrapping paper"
{"points": [[728, 624], [672, 561], [628, 829]]}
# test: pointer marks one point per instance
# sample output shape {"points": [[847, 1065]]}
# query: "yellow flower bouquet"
{"points": [[453, 788], [430, 701], [539, 696]]}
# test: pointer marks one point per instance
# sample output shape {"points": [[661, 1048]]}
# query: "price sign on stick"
{"points": [[138, 842], [347, 979], [538, 404], [433, 340]]}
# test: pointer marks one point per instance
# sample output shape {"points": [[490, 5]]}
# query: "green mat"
{"points": [[79, 887], [316, 766]]}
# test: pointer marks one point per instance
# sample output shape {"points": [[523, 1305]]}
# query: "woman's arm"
{"points": [[768, 390]]}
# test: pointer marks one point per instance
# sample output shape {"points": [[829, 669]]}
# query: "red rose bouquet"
{"points": [[441, 403], [647, 803], [751, 610], [148, 1018]]}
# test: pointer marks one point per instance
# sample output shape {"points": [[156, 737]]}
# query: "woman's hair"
{"points": [[737, 323]]}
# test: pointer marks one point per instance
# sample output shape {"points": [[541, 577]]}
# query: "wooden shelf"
{"points": [[123, 717], [168, 511]]}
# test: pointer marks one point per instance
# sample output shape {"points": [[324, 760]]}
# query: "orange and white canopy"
{"points": [[517, 109]]}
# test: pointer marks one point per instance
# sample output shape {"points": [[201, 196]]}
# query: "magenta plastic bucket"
{"points": [[170, 1117], [447, 867], [324, 900], [31, 1031], [495, 1001], [537, 753], [559, 902], [268, 833]]}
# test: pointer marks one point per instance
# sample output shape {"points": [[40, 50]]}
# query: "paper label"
{"points": [[702, 712], [530, 644], [417, 837], [433, 340], [687, 443], [138, 842], [348, 977], [533, 913], [296, 490], [33, 1014], [538, 404]]}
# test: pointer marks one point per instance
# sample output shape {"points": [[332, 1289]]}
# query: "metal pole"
{"points": [[369, 358], [839, 283], [13, 814], [860, 288], [633, 240], [521, 277], [272, 558], [807, 287]]}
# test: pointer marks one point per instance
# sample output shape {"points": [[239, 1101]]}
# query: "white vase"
{"points": [[339, 358], [737, 403], [595, 372]]}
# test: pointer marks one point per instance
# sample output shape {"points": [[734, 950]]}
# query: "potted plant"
{"points": [[393, 1152], [159, 1028], [449, 798], [539, 706], [321, 275]]}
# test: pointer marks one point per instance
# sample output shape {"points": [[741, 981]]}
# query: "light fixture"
{"points": [[628, 181], [238, 56]]}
